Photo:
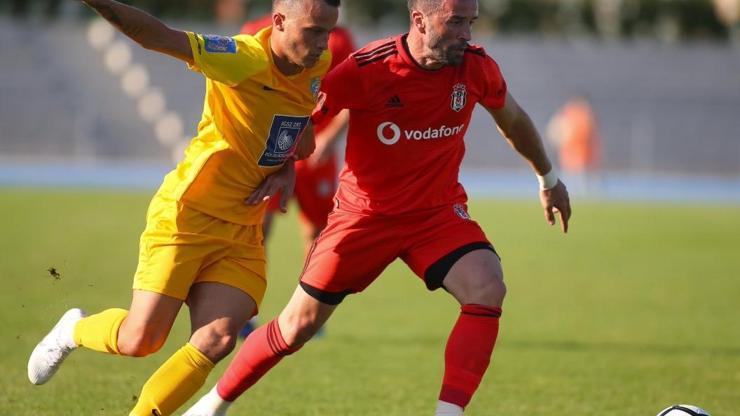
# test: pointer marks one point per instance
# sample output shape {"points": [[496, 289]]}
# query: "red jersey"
{"points": [[405, 140], [341, 46]]}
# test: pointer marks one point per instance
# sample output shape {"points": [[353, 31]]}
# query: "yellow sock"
{"points": [[176, 381], [99, 332]]}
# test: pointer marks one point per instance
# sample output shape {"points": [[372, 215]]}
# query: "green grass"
{"points": [[636, 309]]}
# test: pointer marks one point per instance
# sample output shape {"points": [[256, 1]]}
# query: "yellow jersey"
{"points": [[252, 117]]}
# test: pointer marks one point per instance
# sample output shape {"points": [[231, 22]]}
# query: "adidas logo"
{"points": [[394, 102]]}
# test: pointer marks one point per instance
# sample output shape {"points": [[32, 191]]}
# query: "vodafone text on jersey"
{"points": [[389, 133]]}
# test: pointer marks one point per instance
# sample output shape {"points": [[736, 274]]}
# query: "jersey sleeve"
{"points": [[341, 88], [229, 60], [494, 89]]}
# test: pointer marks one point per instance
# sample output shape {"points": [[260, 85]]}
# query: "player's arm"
{"points": [[519, 130], [327, 139], [306, 144], [516, 126], [144, 29]]}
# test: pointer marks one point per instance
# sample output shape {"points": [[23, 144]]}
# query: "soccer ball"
{"points": [[683, 410]]}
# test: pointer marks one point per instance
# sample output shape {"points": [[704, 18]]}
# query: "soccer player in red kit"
{"points": [[316, 177], [410, 98]]}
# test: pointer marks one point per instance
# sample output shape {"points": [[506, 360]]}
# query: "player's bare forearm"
{"points": [[306, 143], [144, 29], [555, 200], [519, 130], [334, 130], [525, 139], [516, 126], [326, 140]]}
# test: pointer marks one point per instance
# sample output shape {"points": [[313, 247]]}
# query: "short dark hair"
{"points": [[423, 5], [333, 3]]}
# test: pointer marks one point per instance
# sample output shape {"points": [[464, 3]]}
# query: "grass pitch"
{"points": [[636, 309]]}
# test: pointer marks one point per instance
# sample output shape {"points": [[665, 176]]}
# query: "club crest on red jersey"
{"points": [[459, 97]]}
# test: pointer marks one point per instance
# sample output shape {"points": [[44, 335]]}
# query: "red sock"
{"points": [[261, 351], [468, 352]]}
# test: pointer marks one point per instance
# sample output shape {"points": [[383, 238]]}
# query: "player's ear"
{"points": [[278, 21], [417, 20]]}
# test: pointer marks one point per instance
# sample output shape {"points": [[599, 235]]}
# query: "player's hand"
{"points": [[282, 181], [555, 201]]}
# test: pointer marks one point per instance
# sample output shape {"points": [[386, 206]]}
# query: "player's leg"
{"points": [[223, 295], [137, 332], [144, 329], [337, 265], [296, 325], [214, 332], [476, 281], [450, 250], [167, 265], [263, 349], [477, 278], [310, 232], [157, 298]]}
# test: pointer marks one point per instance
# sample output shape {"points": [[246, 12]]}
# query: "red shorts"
{"points": [[314, 191], [353, 250]]}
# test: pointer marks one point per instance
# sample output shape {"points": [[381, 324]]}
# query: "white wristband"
{"points": [[548, 181]]}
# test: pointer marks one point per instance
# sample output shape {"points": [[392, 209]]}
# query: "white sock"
{"points": [[214, 402], [448, 409]]}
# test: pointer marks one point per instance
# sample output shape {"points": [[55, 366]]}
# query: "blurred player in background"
{"points": [[316, 177], [203, 243], [231, 13], [411, 98], [575, 131]]}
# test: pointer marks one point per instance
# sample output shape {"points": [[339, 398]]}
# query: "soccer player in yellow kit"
{"points": [[203, 241]]}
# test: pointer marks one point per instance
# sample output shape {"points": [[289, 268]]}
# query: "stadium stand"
{"points": [[662, 108]]}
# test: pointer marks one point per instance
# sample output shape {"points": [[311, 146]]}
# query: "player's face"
{"points": [[307, 27], [449, 30]]}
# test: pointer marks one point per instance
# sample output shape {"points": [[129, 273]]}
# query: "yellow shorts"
{"points": [[181, 247]]}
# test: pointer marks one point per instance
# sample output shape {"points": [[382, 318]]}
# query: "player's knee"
{"points": [[485, 289], [140, 343], [298, 331], [214, 342], [495, 291]]}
